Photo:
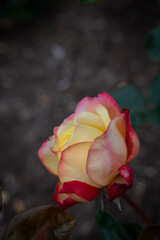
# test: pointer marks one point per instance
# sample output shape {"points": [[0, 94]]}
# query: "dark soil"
{"points": [[46, 67]]}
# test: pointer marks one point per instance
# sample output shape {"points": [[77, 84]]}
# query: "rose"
{"points": [[89, 151]]}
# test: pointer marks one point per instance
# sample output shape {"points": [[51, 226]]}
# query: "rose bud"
{"points": [[89, 152]]}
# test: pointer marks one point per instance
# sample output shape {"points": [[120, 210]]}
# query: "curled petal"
{"points": [[63, 200], [90, 119], [109, 103], [122, 182], [127, 173], [63, 132], [67, 123], [80, 190], [108, 153], [83, 133], [101, 111], [103, 99], [48, 157], [72, 165], [83, 104], [131, 138]]}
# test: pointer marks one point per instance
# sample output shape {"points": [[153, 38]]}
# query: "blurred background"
{"points": [[52, 54]]}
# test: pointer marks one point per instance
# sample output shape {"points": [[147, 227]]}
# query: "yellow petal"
{"points": [[64, 132], [90, 119], [103, 113], [48, 157], [108, 153], [83, 133], [72, 165]]}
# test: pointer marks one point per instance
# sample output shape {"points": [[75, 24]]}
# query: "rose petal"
{"points": [[83, 104], [72, 165], [83, 133], [122, 182], [132, 140], [63, 132], [48, 157], [80, 189], [63, 200], [108, 153], [116, 190], [109, 103], [104, 99], [101, 111], [90, 119], [127, 173], [78, 128]]}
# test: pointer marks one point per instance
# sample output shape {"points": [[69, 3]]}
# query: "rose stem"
{"points": [[136, 208]]}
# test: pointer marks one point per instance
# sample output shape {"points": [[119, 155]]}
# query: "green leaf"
{"points": [[45, 222], [155, 90], [110, 227], [132, 229], [158, 1], [153, 116], [150, 233], [130, 98], [153, 43], [89, 1]]}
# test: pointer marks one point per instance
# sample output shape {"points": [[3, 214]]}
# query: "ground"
{"points": [[46, 67]]}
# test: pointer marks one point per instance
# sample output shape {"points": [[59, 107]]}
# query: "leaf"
{"points": [[158, 1], [43, 233], [110, 227], [132, 229], [155, 90], [48, 221], [154, 116], [153, 43], [150, 233], [130, 98]]}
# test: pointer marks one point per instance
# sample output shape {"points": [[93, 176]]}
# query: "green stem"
{"points": [[136, 208]]}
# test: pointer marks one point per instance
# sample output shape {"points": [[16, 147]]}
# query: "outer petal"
{"points": [[108, 102], [80, 190], [83, 104], [48, 157], [127, 173], [83, 133], [108, 153], [72, 165], [104, 99], [132, 140], [122, 182], [63, 200], [67, 123]]}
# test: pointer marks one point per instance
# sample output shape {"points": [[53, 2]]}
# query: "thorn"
{"points": [[135, 182], [101, 199], [118, 203]]}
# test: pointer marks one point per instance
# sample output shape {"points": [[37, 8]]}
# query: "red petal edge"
{"points": [[63, 203], [116, 190], [127, 173], [104, 99], [80, 189], [132, 140]]}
